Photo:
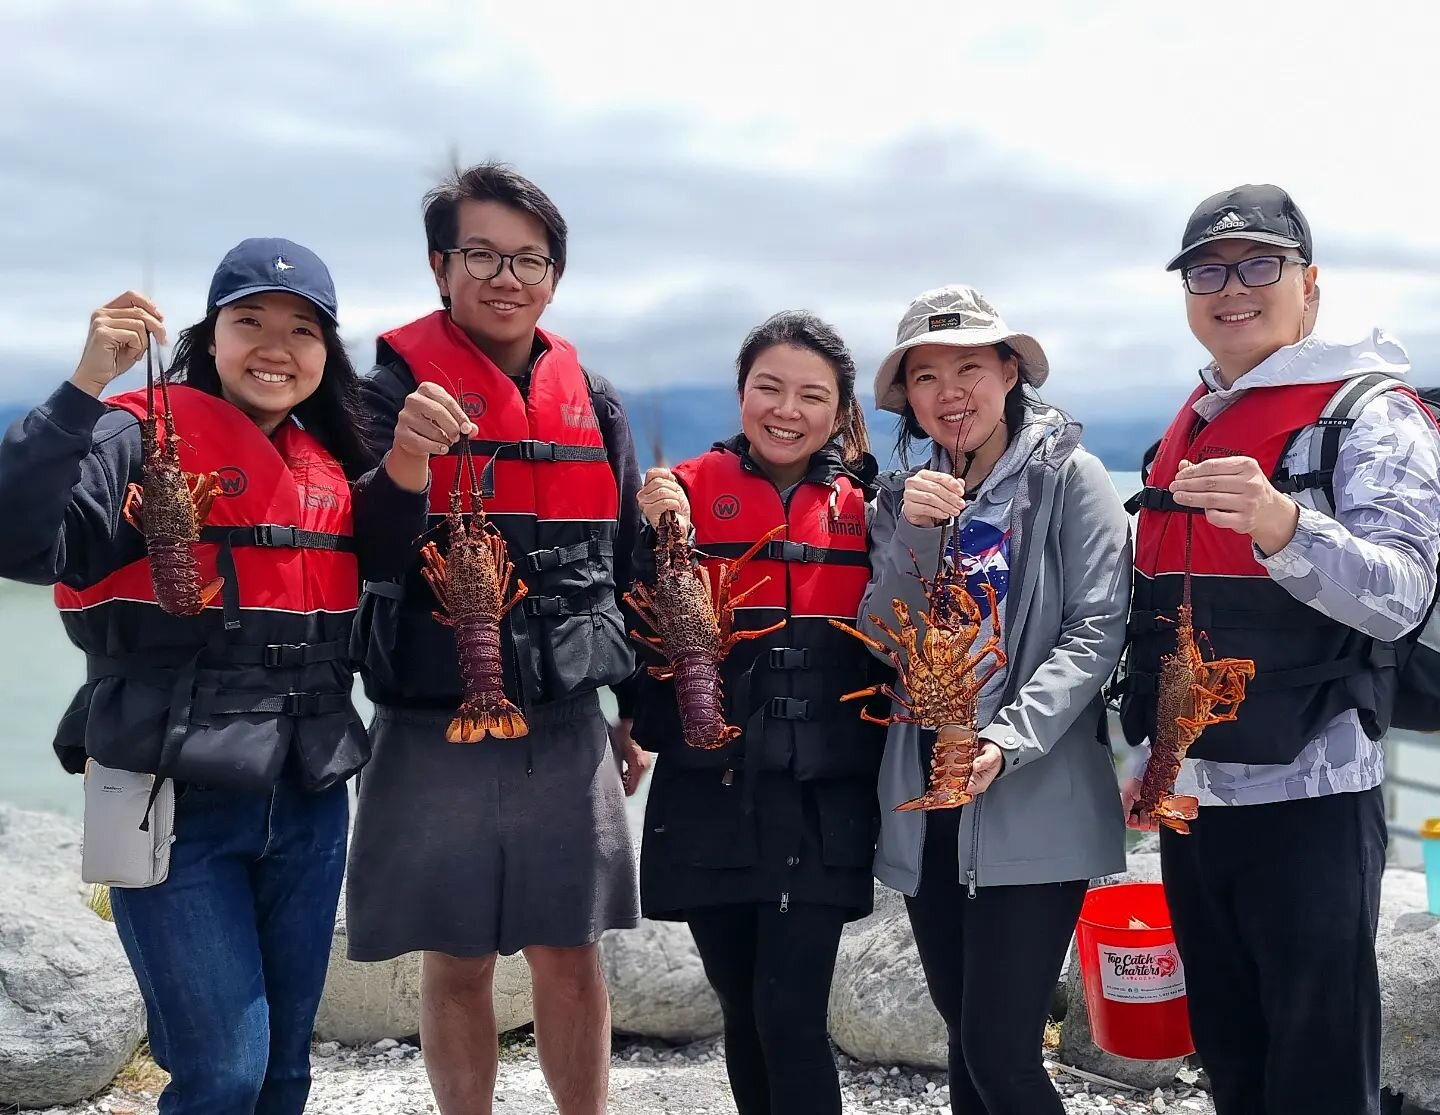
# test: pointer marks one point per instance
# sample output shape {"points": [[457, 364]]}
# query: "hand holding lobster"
{"points": [[660, 493], [428, 425], [118, 337]]}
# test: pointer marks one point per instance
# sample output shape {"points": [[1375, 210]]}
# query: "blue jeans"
{"points": [[231, 951]]}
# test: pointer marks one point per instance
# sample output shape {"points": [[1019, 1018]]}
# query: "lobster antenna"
{"points": [[164, 391], [476, 507], [150, 373], [1189, 533]]}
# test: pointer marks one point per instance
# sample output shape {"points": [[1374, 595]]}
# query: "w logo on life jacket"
{"points": [[725, 507], [473, 404], [232, 481]]}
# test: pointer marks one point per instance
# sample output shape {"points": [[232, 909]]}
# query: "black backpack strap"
{"points": [[1335, 421]]}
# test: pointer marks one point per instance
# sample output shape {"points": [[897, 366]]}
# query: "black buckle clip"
{"points": [[784, 550], [789, 708], [267, 534], [545, 605], [282, 656], [541, 560], [789, 658], [537, 450]]}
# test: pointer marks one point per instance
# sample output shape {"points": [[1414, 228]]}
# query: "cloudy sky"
{"points": [[721, 161]]}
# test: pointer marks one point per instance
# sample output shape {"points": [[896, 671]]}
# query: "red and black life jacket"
{"points": [[549, 488], [1309, 667], [221, 698], [783, 689]]}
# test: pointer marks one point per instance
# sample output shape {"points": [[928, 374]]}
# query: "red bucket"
{"points": [[1134, 980]]}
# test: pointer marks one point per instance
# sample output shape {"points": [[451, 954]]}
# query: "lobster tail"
{"points": [[474, 721], [956, 746]]}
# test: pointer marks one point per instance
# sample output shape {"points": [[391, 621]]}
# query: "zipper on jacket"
{"points": [[785, 902], [975, 848]]}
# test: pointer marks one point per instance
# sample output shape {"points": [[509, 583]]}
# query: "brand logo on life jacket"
{"points": [[725, 507], [1209, 452], [577, 414], [473, 404], [232, 481], [319, 497], [850, 523]]}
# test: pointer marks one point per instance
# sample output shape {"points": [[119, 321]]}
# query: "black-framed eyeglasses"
{"points": [[485, 263], [1210, 278]]}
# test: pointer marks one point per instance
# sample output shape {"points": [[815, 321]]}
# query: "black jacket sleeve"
{"points": [[64, 470], [388, 519], [620, 448]]}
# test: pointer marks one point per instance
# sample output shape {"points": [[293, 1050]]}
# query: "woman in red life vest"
{"points": [[764, 846], [246, 705], [994, 888]]}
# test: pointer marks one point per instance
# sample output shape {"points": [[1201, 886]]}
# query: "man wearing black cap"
{"points": [[1298, 493]]}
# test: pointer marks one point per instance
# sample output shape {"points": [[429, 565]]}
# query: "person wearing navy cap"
{"points": [[217, 674]]}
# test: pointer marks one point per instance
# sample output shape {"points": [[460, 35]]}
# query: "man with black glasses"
{"points": [[1299, 490], [492, 816]]}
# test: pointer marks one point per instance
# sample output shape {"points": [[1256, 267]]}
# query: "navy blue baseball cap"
{"points": [[268, 263]]}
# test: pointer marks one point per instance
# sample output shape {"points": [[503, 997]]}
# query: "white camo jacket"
{"points": [[1371, 566]]}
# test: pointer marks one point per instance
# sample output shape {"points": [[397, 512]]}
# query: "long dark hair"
{"points": [[1020, 399], [802, 329], [332, 414]]}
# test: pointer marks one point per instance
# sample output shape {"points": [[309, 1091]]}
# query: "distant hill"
{"points": [[687, 420]]}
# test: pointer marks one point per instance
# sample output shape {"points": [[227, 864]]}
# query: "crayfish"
{"points": [[939, 672], [1192, 694], [169, 506], [695, 630], [471, 581]]}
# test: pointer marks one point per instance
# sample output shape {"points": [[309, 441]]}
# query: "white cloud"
{"points": [[718, 162]]}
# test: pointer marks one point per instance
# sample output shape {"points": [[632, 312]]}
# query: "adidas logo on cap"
{"points": [[1228, 222]]}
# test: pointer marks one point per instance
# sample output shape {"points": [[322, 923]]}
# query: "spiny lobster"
{"points": [[472, 581], [940, 671], [1192, 694], [169, 506], [695, 629]]}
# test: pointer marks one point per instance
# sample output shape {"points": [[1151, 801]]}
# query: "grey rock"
{"points": [[70, 1012], [657, 984], [880, 1008], [367, 1003], [1408, 953]]}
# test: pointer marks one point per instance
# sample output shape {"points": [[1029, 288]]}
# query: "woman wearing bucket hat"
{"points": [[764, 845], [994, 888], [215, 743]]}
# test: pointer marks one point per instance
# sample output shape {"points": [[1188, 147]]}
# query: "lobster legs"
{"points": [[484, 709]]}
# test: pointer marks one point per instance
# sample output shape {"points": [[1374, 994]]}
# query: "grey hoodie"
{"points": [[1054, 812]]}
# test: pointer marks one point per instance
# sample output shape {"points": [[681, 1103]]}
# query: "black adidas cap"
{"points": [[1265, 214]]}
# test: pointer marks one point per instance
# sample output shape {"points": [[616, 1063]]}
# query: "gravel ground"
{"points": [[645, 1077]]}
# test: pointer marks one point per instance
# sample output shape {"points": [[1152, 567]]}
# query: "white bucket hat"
{"points": [[960, 316]]}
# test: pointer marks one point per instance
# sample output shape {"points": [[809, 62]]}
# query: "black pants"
{"points": [[1275, 910], [991, 963], [772, 972]]}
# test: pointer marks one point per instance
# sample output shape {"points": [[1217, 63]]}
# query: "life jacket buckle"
{"points": [[268, 534], [536, 450], [284, 656], [789, 708], [789, 658]]}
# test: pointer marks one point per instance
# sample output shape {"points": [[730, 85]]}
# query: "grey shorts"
{"points": [[457, 849]]}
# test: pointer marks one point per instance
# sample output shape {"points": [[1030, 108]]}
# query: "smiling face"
{"points": [[789, 408], [500, 312], [1240, 326], [958, 394], [270, 354]]}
